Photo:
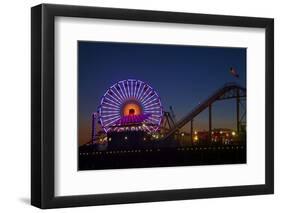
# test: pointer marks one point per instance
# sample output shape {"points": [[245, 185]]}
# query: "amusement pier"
{"points": [[131, 129]]}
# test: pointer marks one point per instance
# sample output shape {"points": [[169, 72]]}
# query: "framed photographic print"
{"points": [[140, 106]]}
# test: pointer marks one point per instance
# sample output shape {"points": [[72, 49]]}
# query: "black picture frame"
{"points": [[43, 117]]}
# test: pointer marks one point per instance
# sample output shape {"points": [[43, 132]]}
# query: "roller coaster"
{"points": [[228, 91]]}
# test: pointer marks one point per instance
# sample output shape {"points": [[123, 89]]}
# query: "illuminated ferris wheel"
{"points": [[130, 105]]}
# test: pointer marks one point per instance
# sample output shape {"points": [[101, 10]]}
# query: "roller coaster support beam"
{"points": [[238, 112], [210, 122]]}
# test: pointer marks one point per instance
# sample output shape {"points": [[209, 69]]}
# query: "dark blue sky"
{"points": [[183, 76]]}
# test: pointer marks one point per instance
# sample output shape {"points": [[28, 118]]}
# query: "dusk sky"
{"points": [[183, 76]]}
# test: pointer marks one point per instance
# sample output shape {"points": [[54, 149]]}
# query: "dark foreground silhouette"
{"points": [[90, 159]]}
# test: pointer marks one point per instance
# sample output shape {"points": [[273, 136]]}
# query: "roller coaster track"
{"points": [[228, 91]]}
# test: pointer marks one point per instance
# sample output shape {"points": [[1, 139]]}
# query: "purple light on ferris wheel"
{"points": [[128, 96]]}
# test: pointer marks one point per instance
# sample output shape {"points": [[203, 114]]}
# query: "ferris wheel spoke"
{"points": [[108, 99], [102, 110], [121, 94], [138, 90], [152, 109], [115, 118], [135, 90], [145, 96], [112, 99], [149, 99], [109, 116], [127, 89], [116, 93], [147, 91], [120, 84], [130, 88], [107, 123], [112, 122], [156, 116], [113, 105], [153, 112], [141, 91], [134, 86], [153, 119], [120, 88], [144, 92], [109, 113], [111, 108], [125, 92], [151, 105], [115, 99]]}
